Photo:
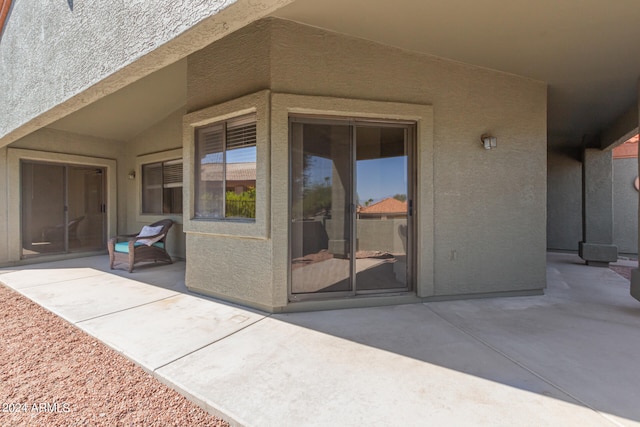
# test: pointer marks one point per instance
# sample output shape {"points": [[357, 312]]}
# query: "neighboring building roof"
{"points": [[628, 150], [5, 5], [385, 206], [235, 171]]}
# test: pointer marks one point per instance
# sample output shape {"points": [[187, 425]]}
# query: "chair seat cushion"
{"points": [[123, 247]]}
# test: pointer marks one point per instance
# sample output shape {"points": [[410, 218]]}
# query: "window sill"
{"points": [[226, 220], [149, 218]]}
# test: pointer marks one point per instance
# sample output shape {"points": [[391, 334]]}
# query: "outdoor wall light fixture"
{"points": [[488, 141], [132, 175]]}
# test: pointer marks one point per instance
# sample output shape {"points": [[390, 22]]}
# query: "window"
{"points": [[226, 169], [162, 187]]}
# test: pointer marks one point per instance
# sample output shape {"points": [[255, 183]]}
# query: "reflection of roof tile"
{"points": [[235, 171], [385, 206]]}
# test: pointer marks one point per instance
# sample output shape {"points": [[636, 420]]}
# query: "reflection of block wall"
{"points": [[384, 235], [45, 187], [315, 237]]}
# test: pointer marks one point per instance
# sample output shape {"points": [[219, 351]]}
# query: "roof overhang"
{"points": [[586, 51]]}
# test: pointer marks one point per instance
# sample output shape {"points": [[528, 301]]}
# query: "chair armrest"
{"points": [[122, 237], [149, 240], [136, 237], [111, 243]]}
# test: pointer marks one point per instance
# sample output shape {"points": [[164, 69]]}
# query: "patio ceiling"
{"points": [[134, 108], [586, 50]]}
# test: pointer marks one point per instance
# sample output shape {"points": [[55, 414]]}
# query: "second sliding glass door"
{"points": [[350, 207], [62, 208]]}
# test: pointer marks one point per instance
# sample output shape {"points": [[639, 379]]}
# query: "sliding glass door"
{"points": [[63, 208], [351, 201], [382, 213]]}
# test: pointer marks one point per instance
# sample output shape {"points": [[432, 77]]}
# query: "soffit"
{"points": [[134, 108], [586, 50]]}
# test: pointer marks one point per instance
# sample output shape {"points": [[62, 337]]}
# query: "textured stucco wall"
{"points": [[597, 196], [564, 201], [625, 206], [235, 269], [57, 56], [489, 206], [229, 258], [234, 66], [163, 137], [58, 141]]}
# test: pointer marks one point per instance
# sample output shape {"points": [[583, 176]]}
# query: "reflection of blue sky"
{"points": [[376, 178], [237, 155], [380, 178], [318, 170]]}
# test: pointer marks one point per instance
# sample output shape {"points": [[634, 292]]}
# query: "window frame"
{"points": [[258, 228], [225, 125], [285, 105], [16, 155], [147, 159], [162, 185]]}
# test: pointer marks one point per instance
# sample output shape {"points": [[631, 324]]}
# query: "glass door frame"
{"points": [[65, 204], [410, 132], [410, 141]]}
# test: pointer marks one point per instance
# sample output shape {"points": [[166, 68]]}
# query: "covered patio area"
{"points": [[563, 358]]}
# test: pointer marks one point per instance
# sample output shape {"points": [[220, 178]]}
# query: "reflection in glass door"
{"points": [[351, 198], [86, 209], [63, 208], [321, 208], [382, 190]]}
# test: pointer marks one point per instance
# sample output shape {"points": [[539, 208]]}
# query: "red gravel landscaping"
{"points": [[53, 374], [624, 271]]}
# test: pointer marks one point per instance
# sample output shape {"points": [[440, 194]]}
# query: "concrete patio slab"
{"points": [[563, 358], [160, 332], [582, 336], [278, 373], [20, 279], [85, 298], [169, 276]]}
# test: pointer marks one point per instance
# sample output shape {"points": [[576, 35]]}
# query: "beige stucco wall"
{"points": [[234, 66], [68, 143], [625, 206], [489, 207], [564, 200], [161, 142], [57, 57], [232, 259]]}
